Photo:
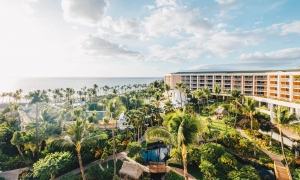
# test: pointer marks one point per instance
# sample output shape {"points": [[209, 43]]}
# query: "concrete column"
{"points": [[259, 103], [292, 110], [271, 112], [297, 111], [291, 86]]}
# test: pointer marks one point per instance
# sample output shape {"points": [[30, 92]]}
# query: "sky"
{"points": [[146, 38]]}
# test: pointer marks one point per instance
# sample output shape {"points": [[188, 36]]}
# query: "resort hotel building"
{"points": [[268, 87]]}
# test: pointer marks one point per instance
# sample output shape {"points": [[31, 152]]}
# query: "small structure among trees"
{"points": [[131, 171], [220, 111]]}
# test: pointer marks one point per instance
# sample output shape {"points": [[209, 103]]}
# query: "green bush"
{"points": [[296, 174], [171, 175], [140, 159], [69, 176], [133, 149], [94, 172]]}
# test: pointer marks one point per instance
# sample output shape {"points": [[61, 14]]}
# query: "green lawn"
{"points": [[216, 124]]}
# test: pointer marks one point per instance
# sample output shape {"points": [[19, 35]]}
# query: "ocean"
{"points": [[32, 84]]}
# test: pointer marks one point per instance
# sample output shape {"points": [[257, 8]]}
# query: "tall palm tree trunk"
{"points": [[114, 154], [254, 149], [282, 146], [80, 165], [184, 158], [22, 155], [36, 129]]}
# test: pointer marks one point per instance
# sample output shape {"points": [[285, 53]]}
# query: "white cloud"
{"points": [[184, 51], [87, 12], [293, 27], [284, 55], [127, 28], [238, 66], [160, 3], [224, 43], [222, 2], [96, 46], [150, 7], [167, 19]]}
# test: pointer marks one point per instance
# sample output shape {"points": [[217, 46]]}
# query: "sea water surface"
{"points": [[45, 83]]}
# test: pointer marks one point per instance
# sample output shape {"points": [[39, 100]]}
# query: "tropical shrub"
{"points": [[171, 175], [246, 172], [133, 149], [296, 174], [50, 165], [140, 159], [69, 176], [94, 172]]}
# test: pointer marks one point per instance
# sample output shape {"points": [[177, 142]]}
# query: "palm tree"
{"points": [[18, 140], [206, 93], [249, 109], [181, 126], [78, 113], [198, 94], [113, 110], [76, 135], [37, 97], [283, 117], [180, 86], [167, 89], [217, 91], [236, 96]]}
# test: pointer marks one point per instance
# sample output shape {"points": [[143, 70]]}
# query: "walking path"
{"points": [[280, 171], [12, 174]]}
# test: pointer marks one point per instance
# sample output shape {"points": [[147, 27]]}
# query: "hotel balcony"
{"points": [[261, 90], [261, 79], [274, 85], [218, 83], [237, 83], [285, 79], [273, 91], [258, 94], [285, 92], [248, 84], [248, 94], [273, 79], [248, 79], [261, 84], [227, 83], [284, 85], [296, 93], [273, 96], [248, 89], [227, 78], [297, 86], [285, 99]]}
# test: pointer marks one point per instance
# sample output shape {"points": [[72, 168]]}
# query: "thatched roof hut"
{"points": [[221, 110], [130, 171]]}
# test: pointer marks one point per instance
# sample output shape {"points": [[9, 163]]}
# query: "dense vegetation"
{"points": [[58, 140]]}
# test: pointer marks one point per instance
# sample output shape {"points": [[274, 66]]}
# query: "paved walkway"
{"points": [[11, 175], [280, 170]]}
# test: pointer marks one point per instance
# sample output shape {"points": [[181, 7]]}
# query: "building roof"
{"points": [[230, 72], [221, 110], [133, 170]]}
